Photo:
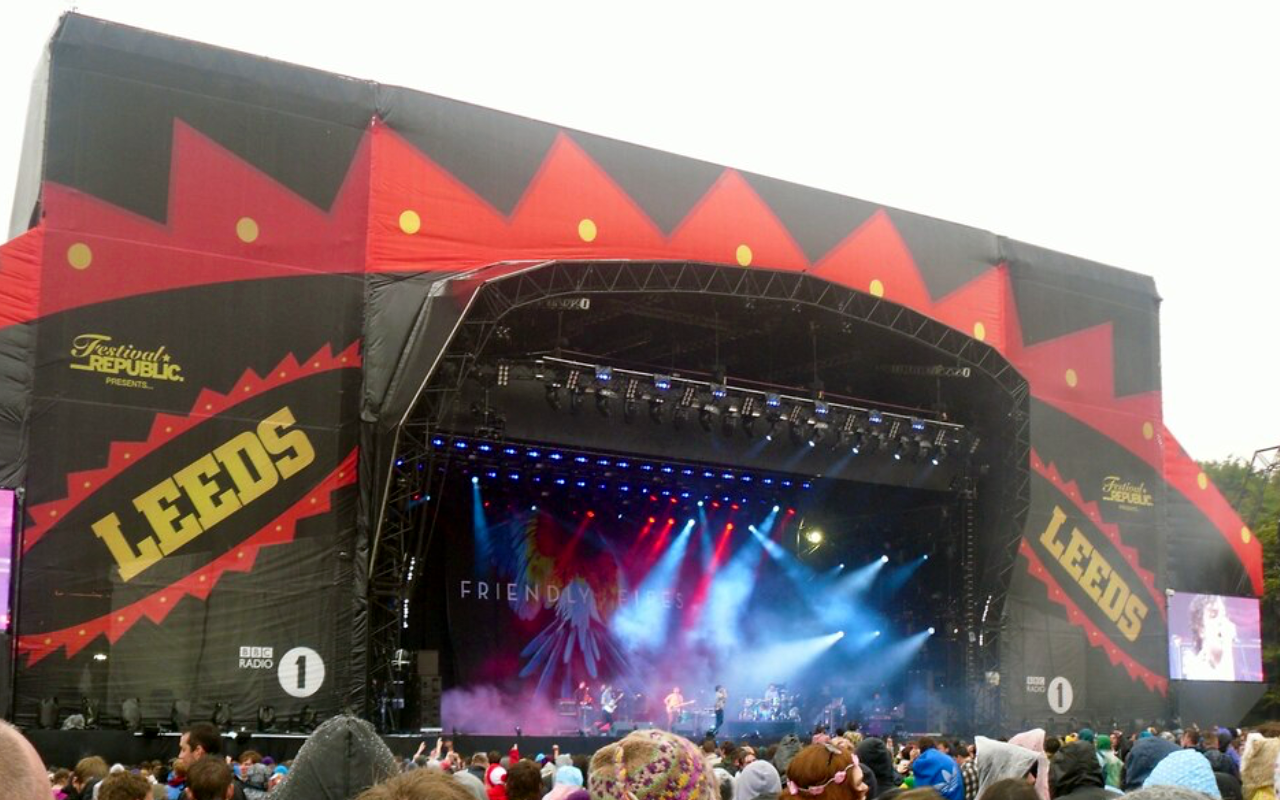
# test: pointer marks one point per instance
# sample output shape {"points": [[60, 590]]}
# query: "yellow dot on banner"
{"points": [[128, 456], [248, 389], [120, 618], [79, 256], [279, 527], [315, 365], [87, 484], [344, 359], [203, 578], [1148, 430], [587, 230], [1202, 481], [744, 255], [313, 501], [168, 429], [1072, 378], [247, 230], [48, 641], [979, 331], [342, 474], [877, 288], [1245, 535], [164, 599], [410, 222], [208, 406], [80, 632], [281, 374], [240, 554], [53, 513]]}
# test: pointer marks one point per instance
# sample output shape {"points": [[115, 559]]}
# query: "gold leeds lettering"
{"points": [[1094, 574], [207, 491]]}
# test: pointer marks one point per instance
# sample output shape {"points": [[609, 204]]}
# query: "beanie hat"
{"points": [[1086, 734], [651, 764], [757, 779], [1102, 743], [1185, 768]]}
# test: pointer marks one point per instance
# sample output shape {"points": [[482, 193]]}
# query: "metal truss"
{"points": [[405, 524]]}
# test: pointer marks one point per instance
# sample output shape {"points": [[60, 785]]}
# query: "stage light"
{"points": [[553, 397], [917, 424], [876, 634], [939, 456], [820, 408], [774, 424], [699, 504], [772, 400], [840, 634], [180, 714], [931, 631], [662, 382], [131, 713], [926, 556], [266, 718], [604, 374], [222, 715], [884, 559], [875, 417], [475, 480], [842, 566], [719, 391], [48, 713], [813, 536]]}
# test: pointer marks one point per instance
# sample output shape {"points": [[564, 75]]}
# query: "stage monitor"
{"points": [[7, 508], [1214, 638]]}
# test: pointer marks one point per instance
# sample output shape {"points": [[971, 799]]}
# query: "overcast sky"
{"points": [[1145, 135]]}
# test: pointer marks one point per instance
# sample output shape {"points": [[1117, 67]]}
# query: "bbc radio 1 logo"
{"points": [[301, 671], [257, 658]]}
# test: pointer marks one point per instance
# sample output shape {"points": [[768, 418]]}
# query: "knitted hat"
{"points": [[651, 764], [1185, 768], [1086, 734], [1102, 742], [571, 776]]}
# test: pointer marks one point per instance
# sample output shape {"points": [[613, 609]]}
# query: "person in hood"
{"points": [[255, 777], [1144, 756], [935, 769], [998, 761], [567, 778], [1076, 774], [875, 758], [759, 779], [1111, 765], [1033, 740], [340, 759], [1186, 768], [1257, 768]]}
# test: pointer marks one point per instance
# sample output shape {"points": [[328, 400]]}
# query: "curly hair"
{"points": [[1198, 606]]}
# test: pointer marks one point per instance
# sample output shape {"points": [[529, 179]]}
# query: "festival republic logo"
{"points": [[124, 364], [1129, 496]]}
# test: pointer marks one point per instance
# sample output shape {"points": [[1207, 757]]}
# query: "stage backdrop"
{"points": [[182, 393]]}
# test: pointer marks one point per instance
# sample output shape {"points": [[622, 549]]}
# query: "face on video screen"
{"points": [[1214, 638]]}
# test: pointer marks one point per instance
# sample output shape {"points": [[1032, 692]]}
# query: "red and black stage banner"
{"points": [[208, 302]]}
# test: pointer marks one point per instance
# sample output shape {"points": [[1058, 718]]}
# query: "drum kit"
{"points": [[774, 707]]}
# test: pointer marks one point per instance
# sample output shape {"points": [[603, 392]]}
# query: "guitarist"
{"points": [[674, 702], [608, 704]]}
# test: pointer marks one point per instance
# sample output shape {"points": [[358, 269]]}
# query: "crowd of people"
{"points": [[346, 760]]}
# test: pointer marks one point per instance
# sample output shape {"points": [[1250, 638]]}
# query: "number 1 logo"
{"points": [[301, 672]]}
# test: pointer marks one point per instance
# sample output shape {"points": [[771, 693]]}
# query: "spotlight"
{"points": [[772, 400], [841, 566], [180, 714], [655, 409], [876, 634], [475, 480], [939, 456], [813, 536], [884, 559], [917, 424], [222, 715], [679, 417], [875, 417], [662, 382], [776, 509], [926, 556], [774, 425], [820, 408], [266, 718], [131, 713], [604, 374], [48, 712], [931, 631], [553, 397], [839, 634]]}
